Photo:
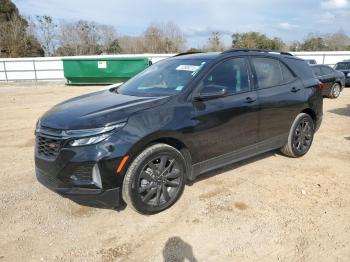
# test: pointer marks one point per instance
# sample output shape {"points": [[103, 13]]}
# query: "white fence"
{"points": [[51, 68]]}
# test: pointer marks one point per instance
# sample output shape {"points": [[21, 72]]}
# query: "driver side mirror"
{"points": [[211, 91]]}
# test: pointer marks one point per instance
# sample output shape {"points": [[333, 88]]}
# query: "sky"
{"points": [[288, 19]]}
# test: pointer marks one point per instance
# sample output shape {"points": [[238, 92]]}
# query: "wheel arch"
{"points": [[169, 138], [311, 113]]}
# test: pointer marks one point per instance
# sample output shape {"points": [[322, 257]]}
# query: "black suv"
{"points": [[345, 68], [178, 119], [333, 80]]}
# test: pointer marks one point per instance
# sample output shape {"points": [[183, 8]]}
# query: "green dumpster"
{"points": [[81, 71]]}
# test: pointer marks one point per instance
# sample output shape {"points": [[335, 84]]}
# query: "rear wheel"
{"points": [[300, 136], [155, 179], [335, 91]]}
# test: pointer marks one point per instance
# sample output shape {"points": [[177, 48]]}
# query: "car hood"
{"points": [[96, 110]]}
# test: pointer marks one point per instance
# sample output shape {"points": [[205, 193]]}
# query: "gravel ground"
{"points": [[268, 208]]}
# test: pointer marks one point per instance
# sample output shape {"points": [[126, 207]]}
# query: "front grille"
{"points": [[48, 147]]}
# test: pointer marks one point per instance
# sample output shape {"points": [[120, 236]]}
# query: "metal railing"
{"points": [[51, 68]]}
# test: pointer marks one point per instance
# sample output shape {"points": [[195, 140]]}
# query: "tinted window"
{"points": [[268, 72], [300, 67], [317, 70], [327, 70], [232, 74], [342, 66], [287, 74]]}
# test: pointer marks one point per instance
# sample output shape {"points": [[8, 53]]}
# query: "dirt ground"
{"points": [[269, 208]]}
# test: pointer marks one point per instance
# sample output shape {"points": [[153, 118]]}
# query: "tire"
{"points": [[155, 179], [335, 91], [299, 142]]}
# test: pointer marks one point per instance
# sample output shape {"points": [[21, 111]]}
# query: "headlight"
{"points": [[91, 136], [348, 74], [37, 126]]}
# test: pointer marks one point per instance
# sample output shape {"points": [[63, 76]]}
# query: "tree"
{"points": [[131, 44], [163, 38], [214, 43], [313, 43], [338, 41], [256, 40], [45, 29], [15, 39], [113, 47]]}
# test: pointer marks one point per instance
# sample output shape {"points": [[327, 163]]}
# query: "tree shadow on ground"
{"points": [[341, 111], [177, 250]]}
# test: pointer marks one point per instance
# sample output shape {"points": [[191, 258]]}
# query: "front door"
{"points": [[229, 123]]}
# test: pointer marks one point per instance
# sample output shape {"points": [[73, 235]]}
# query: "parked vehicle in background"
{"points": [[345, 68], [311, 61], [333, 80], [183, 116]]}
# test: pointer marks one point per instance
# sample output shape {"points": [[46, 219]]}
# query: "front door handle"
{"points": [[294, 90], [250, 99]]}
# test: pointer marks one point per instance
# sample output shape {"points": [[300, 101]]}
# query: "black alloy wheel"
{"points": [[155, 179], [303, 135], [300, 136], [159, 181]]}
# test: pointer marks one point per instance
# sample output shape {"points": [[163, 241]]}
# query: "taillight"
{"points": [[320, 86]]}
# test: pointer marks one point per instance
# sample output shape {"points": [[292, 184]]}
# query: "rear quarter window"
{"points": [[271, 72], [300, 67], [317, 71]]}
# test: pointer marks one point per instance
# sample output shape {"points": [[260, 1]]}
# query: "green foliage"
{"points": [[114, 47], [338, 41], [256, 40]]}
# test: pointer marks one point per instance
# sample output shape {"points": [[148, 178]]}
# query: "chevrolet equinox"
{"points": [[140, 142]]}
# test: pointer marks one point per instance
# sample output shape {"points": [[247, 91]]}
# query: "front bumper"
{"points": [[71, 172], [109, 198]]}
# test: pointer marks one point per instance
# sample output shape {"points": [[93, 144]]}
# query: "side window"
{"points": [[268, 72], [317, 71], [287, 74], [232, 74], [326, 70]]}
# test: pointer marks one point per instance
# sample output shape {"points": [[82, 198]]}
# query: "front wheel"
{"points": [[155, 179], [300, 136], [335, 91]]}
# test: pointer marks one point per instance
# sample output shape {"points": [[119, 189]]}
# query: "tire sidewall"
{"points": [[300, 118], [336, 85], [136, 168]]}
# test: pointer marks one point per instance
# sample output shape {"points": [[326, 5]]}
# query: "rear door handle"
{"points": [[250, 99], [294, 89]]}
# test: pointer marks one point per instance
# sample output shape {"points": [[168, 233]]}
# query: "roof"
{"points": [[213, 55], [210, 55]]}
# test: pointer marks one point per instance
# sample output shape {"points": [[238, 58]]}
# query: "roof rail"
{"points": [[255, 50], [188, 53]]}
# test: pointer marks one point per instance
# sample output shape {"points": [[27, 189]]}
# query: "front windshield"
{"points": [[167, 77], [342, 66]]}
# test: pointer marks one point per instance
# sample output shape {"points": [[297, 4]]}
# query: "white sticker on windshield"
{"points": [[190, 68], [179, 88]]}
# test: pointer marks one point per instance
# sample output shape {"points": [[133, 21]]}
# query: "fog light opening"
{"points": [[96, 176]]}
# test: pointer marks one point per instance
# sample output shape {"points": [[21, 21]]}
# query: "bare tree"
{"points": [[214, 43], [45, 29], [86, 38], [174, 38], [131, 44]]}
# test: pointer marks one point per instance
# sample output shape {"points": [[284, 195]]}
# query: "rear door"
{"points": [[280, 95], [229, 123]]}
